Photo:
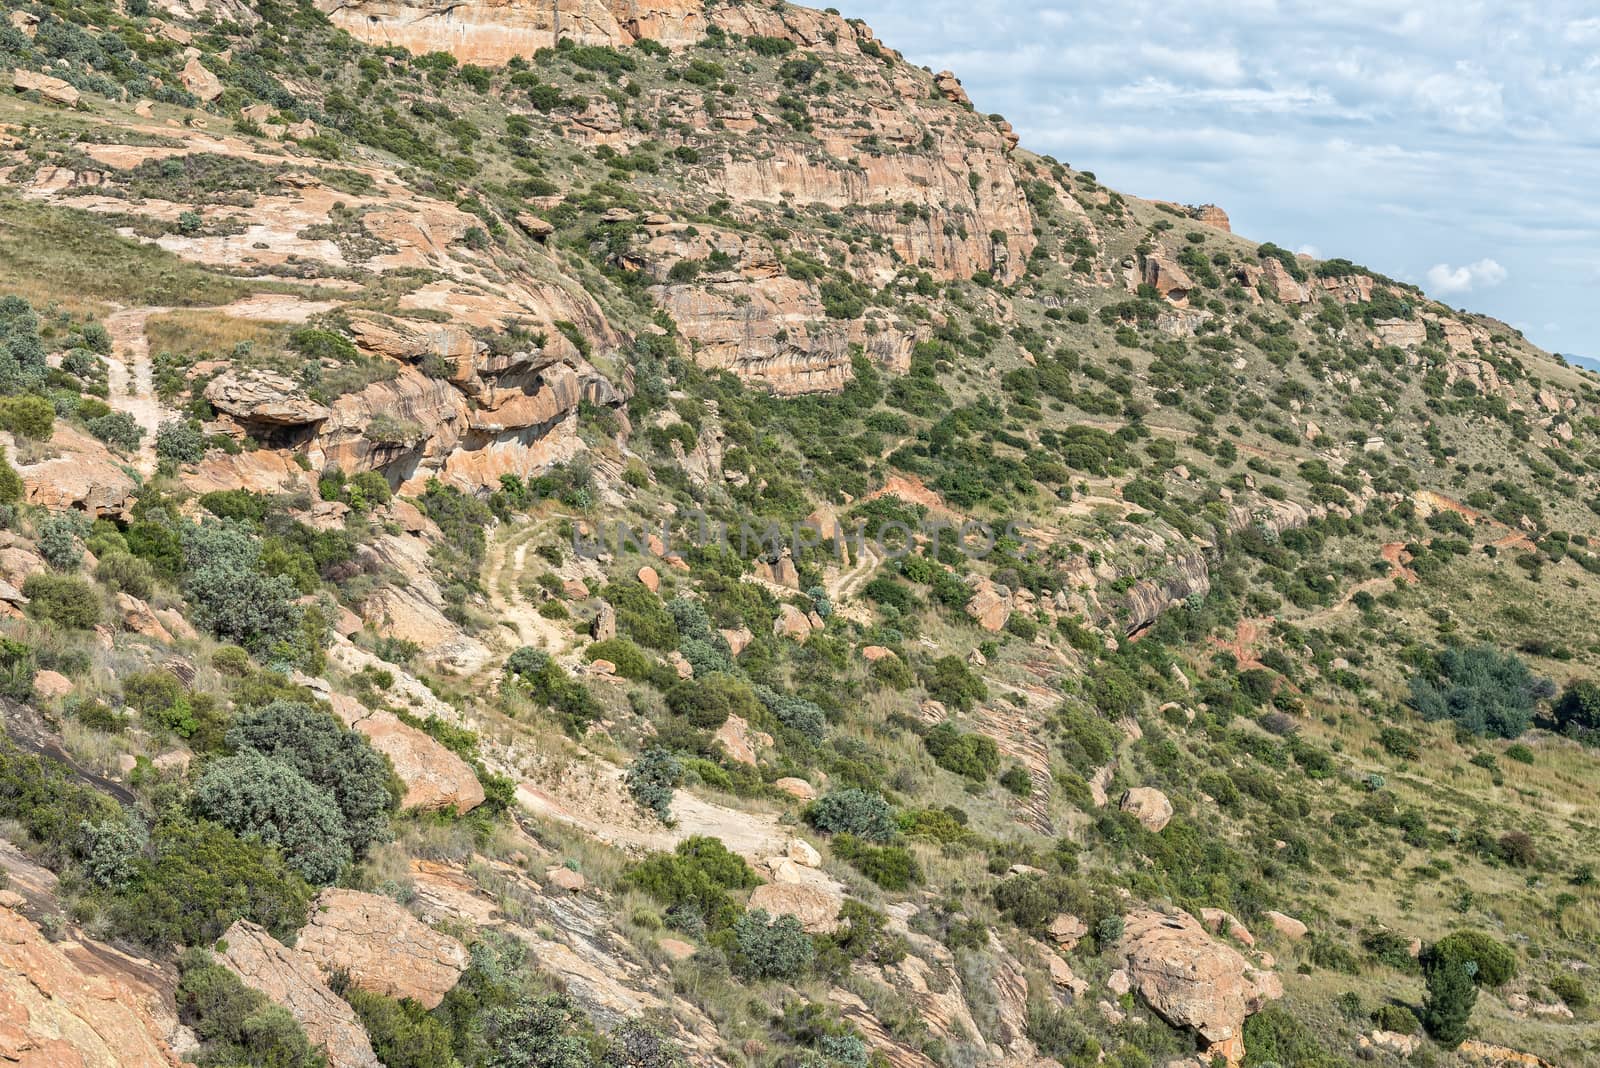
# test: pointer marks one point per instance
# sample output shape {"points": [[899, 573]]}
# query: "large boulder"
{"points": [[816, 908], [200, 81], [1191, 980], [52, 89], [990, 606], [435, 778], [382, 947], [291, 979], [81, 474], [1149, 805]]}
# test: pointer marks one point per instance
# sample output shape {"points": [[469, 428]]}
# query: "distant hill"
{"points": [[1588, 363]]}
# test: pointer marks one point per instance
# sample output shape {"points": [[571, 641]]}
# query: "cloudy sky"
{"points": [[1454, 144]]}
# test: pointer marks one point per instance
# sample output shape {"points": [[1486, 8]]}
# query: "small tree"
{"points": [[1452, 992], [180, 442]]}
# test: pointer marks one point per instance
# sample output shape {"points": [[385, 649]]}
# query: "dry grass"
{"points": [[190, 332], [73, 258]]}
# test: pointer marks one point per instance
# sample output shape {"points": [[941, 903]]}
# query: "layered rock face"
{"points": [[493, 31]]}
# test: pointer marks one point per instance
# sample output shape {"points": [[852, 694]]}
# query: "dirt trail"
{"points": [[510, 549], [131, 378]]}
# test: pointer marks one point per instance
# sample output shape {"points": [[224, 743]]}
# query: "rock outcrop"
{"points": [[493, 31], [62, 1011], [52, 89], [1194, 981], [291, 978], [381, 947]]}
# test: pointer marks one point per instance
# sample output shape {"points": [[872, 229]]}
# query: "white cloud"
{"points": [[1444, 279], [1309, 250]]}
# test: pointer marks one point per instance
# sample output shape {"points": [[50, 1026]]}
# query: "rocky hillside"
{"points": [[623, 533]]}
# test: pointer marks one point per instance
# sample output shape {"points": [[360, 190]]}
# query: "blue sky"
{"points": [[1455, 145]]}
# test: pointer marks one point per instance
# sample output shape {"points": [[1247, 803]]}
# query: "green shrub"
{"points": [[1481, 689], [122, 572], [403, 1034], [1396, 1018], [266, 800], [28, 417], [537, 674], [1570, 989], [230, 593], [954, 685], [197, 878], [1400, 743], [854, 812], [651, 780], [538, 1032], [1495, 962], [693, 882], [974, 756], [11, 487], [641, 615], [1275, 1036], [708, 702], [771, 949], [65, 600], [180, 442], [890, 866]]}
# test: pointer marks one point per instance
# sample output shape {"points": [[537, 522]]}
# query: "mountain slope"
{"points": [[1258, 667]]}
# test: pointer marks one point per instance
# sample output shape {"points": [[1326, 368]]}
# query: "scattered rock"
{"points": [[200, 81], [435, 778], [264, 397], [1067, 930], [738, 640], [815, 908], [676, 948], [650, 579], [1118, 982], [791, 623], [604, 627], [797, 788], [1288, 926], [803, 853], [138, 618], [564, 878], [1371, 1046], [739, 740], [49, 685]]}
